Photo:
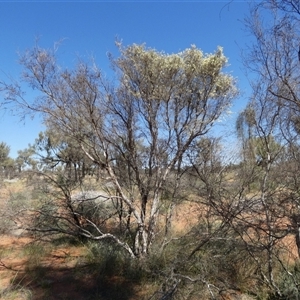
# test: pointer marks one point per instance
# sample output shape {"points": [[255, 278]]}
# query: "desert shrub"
{"points": [[35, 252], [13, 209], [65, 240], [20, 200], [16, 291], [47, 218], [288, 284], [222, 262], [109, 260], [94, 206], [5, 222]]}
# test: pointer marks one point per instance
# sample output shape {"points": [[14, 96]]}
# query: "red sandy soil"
{"points": [[59, 275], [56, 267]]}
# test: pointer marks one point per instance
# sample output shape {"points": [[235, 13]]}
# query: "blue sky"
{"points": [[91, 27]]}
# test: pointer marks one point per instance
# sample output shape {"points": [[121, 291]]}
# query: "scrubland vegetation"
{"points": [[128, 194]]}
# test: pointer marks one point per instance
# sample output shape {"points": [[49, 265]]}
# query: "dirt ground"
{"points": [[50, 276]]}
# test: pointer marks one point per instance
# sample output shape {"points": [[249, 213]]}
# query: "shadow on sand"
{"points": [[73, 283]]}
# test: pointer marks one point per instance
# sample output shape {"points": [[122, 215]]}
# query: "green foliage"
{"points": [[20, 200], [12, 210], [4, 152], [25, 159], [65, 240], [7, 164], [137, 61], [289, 285], [109, 260], [34, 252], [15, 291]]}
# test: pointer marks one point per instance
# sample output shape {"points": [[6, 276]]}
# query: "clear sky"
{"points": [[91, 27]]}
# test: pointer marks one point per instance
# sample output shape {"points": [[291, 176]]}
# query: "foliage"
{"points": [[6, 163], [289, 285], [16, 291]]}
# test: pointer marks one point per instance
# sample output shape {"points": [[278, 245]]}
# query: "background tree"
{"points": [[57, 151], [25, 159], [7, 164]]}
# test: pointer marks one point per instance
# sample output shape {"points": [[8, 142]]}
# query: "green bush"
{"points": [[109, 260], [289, 285]]}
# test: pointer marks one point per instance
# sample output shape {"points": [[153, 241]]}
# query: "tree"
{"points": [[4, 151], [274, 59], [25, 159], [161, 105], [55, 150], [6, 163]]}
